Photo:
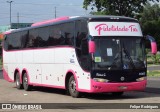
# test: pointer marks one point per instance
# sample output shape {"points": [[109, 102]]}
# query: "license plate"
{"points": [[122, 87]]}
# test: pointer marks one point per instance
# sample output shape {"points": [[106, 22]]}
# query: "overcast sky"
{"points": [[38, 10]]}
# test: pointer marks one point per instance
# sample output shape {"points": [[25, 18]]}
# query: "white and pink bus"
{"points": [[94, 54]]}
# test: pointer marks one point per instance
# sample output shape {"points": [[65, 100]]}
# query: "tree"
{"points": [[116, 7], [150, 13], [150, 22]]}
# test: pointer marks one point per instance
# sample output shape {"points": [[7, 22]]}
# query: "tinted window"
{"points": [[81, 32], [52, 36], [32, 39], [15, 40], [68, 33], [6, 43], [60, 34], [43, 36], [24, 38], [82, 44]]}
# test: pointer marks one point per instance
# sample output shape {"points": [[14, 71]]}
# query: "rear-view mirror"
{"points": [[153, 44]]}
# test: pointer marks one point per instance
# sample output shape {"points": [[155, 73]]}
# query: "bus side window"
{"points": [[43, 36], [68, 30], [33, 34], [57, 35], [51, 39], [14, 41], [81, 32], [84, 47], [6, 43], [82, 44], [62, 34], [24, 39]]}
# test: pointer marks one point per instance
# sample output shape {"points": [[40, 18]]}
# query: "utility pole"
{"points": [[55, 13], [17, 20], [10, 2]]}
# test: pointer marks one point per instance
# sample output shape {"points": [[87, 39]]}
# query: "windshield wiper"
{"points": [[129, 57], [117, 61]]}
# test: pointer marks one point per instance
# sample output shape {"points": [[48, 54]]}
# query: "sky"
{"points": [[31, 11]]}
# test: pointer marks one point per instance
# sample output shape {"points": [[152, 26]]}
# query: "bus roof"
{"points": [[49, 21], [8, 31], [110, 17], [66, 18], [90, 18]]}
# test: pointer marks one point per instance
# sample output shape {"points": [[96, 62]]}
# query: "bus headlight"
{"points": [[100, 80], [141, 79]]}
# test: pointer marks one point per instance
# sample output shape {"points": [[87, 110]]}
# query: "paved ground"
{"points": [[9, 94], [153, 85], [155, 67]]}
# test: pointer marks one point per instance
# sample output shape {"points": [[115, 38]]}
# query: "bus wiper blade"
{"points": [[129, 57]]}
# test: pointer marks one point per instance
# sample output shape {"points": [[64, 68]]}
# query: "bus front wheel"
{"points": [[26, 86], [72, 88], [18, 84]]}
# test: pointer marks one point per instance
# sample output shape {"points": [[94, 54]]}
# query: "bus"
{"points": [[82, 54]]}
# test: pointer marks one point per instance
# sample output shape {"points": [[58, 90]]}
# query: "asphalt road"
{"points": [[1, 76], [9, 94], [151, 68]]}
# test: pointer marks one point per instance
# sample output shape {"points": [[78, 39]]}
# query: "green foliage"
{"points": [[153, 73], [158, 58], [150, 21], [149, 15], [153, 59], [147, 51], [116, 7], [0, 61]]}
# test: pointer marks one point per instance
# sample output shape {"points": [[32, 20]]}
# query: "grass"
{"points": [[155, 73], [0, 60], [153, 64]]}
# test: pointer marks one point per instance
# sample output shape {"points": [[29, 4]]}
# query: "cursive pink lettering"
{"points": [[106, 28]]}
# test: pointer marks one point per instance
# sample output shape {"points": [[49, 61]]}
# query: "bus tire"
{"points": [[72, 88], [18, 83], [117, 93], [26, 86]]}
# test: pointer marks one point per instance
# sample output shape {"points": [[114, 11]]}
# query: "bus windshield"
{"points": [[119, 53]]}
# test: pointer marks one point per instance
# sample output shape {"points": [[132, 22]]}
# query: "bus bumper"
{"points": [[100, 87]]}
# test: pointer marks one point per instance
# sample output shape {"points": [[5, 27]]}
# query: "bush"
{"points": [[153, 59]]}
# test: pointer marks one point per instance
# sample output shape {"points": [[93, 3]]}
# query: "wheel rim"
{"points": [[25, 81], [17, 80], [73, 86]]}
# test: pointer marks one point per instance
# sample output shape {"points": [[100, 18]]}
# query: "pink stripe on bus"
{"points": [[47, 85], [6, 76], [50, 21]]}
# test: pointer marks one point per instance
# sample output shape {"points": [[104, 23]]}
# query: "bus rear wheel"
{"points": [[26, 86], [18, 84], [72, 88]]}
